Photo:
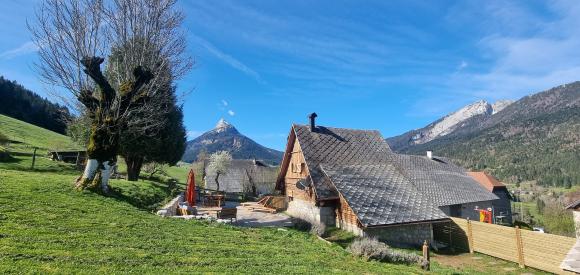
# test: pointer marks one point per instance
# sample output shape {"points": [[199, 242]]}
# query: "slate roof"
{"points": [[441, 181], [382, 187], [336, 146], [380, 195]]}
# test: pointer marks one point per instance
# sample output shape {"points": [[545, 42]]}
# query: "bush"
{"points": [[3, 139], [4, 155], [371, 248]]}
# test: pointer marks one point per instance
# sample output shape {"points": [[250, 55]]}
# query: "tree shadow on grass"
{"points": [[148, 201]]}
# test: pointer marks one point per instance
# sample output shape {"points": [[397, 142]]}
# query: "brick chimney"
{"points": [[312, 118]]}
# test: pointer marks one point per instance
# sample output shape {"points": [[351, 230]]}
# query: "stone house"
{"points": [[352, 180], [244, 176], [502, 208], [572, 260]]}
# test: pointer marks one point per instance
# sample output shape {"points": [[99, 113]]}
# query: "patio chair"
{"points": [[228, 213]]}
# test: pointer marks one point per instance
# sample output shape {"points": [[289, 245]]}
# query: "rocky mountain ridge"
{"points": [[453, 121], [225, 137], [536, 138]]}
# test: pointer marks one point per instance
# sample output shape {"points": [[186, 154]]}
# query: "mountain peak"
{"points": [[222, 126]]}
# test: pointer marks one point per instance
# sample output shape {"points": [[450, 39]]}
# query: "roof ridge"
{"points": [[340, 128]]}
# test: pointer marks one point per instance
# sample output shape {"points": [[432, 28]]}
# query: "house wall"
{"points": [[503, 207], [402, 235], [468, 210], [302, 203], [346, 219], [308, 211], [577, 222]]}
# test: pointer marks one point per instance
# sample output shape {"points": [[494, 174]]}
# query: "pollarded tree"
{"points": [[75, 37], [219, 164]]}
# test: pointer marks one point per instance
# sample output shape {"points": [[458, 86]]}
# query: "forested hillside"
{"points": [[22, 104], [535, 138]]}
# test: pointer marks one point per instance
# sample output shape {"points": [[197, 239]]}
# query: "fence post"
{"points": [[469, 236], [33, 159], [426, 265], [520, 247]]}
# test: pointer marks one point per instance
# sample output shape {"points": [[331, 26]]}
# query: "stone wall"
{"points": [[403, 235], [310, 212], [170, 208]]}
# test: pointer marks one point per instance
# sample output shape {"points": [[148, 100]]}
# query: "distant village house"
{"points": [[244, 176]]}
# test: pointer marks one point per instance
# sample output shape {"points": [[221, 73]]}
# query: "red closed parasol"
{"points": [[190, 190]]}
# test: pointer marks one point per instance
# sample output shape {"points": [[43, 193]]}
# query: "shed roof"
{"points": [[380, 195], [489, 182]]}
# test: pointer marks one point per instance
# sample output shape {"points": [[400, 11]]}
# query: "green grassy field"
{"points": [[34, 136]]}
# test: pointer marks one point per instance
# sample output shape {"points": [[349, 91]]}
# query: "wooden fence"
{"points": [[527, 248]]}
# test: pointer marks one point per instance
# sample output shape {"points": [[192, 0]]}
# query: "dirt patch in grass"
{"points": [[481, 263]]}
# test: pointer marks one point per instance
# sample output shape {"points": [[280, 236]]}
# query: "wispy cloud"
{"points": [[231, 113], [526, 60], [228, 59], [462, 65], [25, 48], [224, 102]]}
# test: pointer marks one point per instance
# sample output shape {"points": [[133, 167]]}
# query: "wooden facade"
{"points": [[345, 214], [296, 170]]}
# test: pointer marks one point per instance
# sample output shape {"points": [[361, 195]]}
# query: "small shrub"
{"points": [[3, 139], [371, 248], [4, 155]]}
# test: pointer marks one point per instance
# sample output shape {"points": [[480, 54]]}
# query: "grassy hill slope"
{"points": [[34, 136], [45, 226]]}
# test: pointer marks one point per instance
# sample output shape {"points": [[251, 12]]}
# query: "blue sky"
{"points": [[387, 65]]}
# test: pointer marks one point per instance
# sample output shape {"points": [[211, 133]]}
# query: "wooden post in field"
{"points": [[520, 247], [469, 236], [426, 265], [33, 158]]}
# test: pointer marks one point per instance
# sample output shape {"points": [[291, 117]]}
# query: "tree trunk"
{"points": [[217, 175], [134, 164], [102, 156]]}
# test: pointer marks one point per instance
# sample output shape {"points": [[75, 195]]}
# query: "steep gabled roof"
{"points": [[441, 181], [380, 195], [337, 147], [489, 182]]}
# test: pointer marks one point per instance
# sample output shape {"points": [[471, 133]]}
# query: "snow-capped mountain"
{"points": [[225, 137]]}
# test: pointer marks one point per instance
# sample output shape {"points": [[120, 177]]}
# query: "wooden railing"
{"points": [[527, 248]]}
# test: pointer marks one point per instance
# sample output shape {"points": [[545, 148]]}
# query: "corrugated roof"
{"points": [[443, 182], [489, 182]]}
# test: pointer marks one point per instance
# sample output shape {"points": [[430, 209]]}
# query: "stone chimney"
{"points": [[430, 154], [312, 118]]}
